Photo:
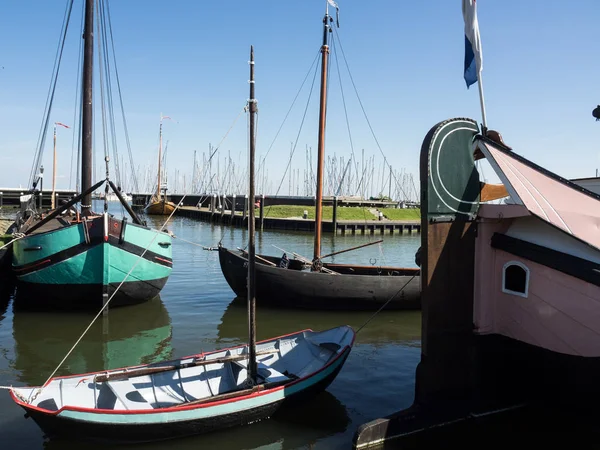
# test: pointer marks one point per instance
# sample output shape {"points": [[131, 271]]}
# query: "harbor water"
{"points": [[197, 312]]}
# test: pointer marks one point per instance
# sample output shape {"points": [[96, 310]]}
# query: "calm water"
{"points": [[197, 312]]}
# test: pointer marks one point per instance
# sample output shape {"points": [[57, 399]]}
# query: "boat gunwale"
{"points": [[182, 407], [413, 271]]}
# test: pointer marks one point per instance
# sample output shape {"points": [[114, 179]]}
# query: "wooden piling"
{"points": [[232, 208], [334, 218], [262, 211]]}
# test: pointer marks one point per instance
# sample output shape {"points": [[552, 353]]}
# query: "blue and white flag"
{"points": [[473, 56]]}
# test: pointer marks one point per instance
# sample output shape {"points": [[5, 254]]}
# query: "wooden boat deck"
{"points": [[54, 224]]}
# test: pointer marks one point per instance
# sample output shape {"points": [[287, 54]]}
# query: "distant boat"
{"points": [[75, 259], [159, 204], [112, 197], [314, 284]]}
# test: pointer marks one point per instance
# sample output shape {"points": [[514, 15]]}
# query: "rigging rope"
{"points": [[140, 257], [125, 129], [297, 136], [77, 112], [51, 91], [261, 165], [365, 113], [388, 301]]}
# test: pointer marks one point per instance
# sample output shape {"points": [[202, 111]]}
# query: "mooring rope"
{"points": [[389, 300], [31, 399], [18, 236], [205, 247]]}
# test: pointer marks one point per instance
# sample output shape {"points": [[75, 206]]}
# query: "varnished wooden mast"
{"points": [[251, 225], [87, 108], [321, 148]]}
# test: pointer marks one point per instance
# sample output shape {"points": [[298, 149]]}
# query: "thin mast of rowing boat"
{"points": [[159, 156], [321, 148], [251, 224], [87, 108]]}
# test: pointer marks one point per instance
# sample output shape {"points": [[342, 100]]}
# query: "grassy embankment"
{"points": [[343, 213], [402, 214]]}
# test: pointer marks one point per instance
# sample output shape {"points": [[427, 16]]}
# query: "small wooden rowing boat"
{"points": [[191, 395]]}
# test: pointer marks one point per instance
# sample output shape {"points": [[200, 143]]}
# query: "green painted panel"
{"points": [[453, 182], [121, 262], [148, 237], [85, 268], [50, 243]]}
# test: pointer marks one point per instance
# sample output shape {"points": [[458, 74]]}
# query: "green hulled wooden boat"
{"points": [[75, 258]]}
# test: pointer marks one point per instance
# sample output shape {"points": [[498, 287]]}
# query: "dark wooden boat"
{"points": [[354, 288], [319, 285]]}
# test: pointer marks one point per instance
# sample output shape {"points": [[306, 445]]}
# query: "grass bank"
{"points": [[343, 212]]}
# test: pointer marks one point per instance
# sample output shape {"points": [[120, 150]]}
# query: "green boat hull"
{"points": [[79, 265]]}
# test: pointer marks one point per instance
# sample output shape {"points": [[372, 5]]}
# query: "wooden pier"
{"points": [[240, 219]]}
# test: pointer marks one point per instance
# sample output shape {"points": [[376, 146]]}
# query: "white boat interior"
{"points": [[192, 379]]}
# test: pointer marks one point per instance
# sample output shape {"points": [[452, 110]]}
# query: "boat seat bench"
{"points": [[123, 387], [132, 399]]}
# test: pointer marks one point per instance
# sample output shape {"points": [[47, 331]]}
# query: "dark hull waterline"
{"points": [[354, 288], [85, 296]]}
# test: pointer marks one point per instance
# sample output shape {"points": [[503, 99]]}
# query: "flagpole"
{"points": [[52, 200], [482, 101]]}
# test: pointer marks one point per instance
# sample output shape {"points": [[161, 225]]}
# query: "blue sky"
{"points": [[188, 59]]}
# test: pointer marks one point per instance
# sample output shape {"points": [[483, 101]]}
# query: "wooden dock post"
{"points": [[213, 202], [232, 209], [262, 211], [334, 219], [223, 202]]}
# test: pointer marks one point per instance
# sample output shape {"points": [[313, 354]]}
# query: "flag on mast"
{"points": [[337, 11], [61, 124], [473, 55]]}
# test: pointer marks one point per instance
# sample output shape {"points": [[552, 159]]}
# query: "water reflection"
{"points": [[301, 425], [7, 289], [387, 327], [126, 336]]}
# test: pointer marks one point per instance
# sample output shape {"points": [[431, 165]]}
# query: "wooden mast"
{"points": [[159, 157], [251, 225], [321, 148], [87, 108]]}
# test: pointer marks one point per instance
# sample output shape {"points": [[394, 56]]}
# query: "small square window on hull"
{"points": [[515, 278]]}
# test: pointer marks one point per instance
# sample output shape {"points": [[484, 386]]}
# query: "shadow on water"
{"points": [[299, 426], [387, 327], [126, 336]]}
